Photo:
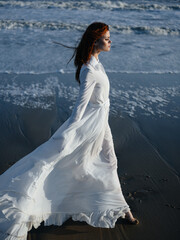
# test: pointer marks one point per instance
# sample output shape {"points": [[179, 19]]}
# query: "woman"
{"points": [[74, 173]]}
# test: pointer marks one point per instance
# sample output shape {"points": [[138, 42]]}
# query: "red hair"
{"points": [[85, 48]]}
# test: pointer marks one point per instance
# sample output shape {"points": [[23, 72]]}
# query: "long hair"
{"points": [[83, 51]]}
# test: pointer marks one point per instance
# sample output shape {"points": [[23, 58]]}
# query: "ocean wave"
{"points": [[48, 25], [84, 5], [14, 24]]}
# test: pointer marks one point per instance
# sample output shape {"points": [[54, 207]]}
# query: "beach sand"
{"points": [[147, 151]]}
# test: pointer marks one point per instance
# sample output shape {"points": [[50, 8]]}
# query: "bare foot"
{"points": [[129, 217]]}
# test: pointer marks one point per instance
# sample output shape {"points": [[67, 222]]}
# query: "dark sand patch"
{"points": [[22, 130]]}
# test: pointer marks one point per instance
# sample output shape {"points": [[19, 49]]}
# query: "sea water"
{"points": [[145, 39], [145, 34]]}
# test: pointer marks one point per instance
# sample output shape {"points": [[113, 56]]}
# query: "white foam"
{"points": [[133, 100], [147, 100], [151, 30], [84, 5], [69, 71], [50, 25]]}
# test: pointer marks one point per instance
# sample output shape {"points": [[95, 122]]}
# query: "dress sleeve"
{"points": [[87, 84]]}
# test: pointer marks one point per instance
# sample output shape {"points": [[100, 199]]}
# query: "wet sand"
{"points": [[149, 182]]}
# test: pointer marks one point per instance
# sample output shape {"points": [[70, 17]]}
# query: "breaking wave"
{"points": [[48, 25], [84, 5]]}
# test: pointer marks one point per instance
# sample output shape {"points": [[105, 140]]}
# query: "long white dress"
{"points": [[73, 174]]}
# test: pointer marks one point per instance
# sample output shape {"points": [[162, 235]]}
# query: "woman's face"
{"points": [[103, 43]]}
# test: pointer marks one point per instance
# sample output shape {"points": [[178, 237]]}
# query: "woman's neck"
{"points": [[95, 54]]}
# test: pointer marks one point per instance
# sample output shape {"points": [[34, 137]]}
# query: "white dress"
{"points": [[73, 174]]}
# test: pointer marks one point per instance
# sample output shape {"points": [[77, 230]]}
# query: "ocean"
{"points": [[145, 34], [145, 39]]}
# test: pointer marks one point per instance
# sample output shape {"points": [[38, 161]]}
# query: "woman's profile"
{"points": [[74, 173]]}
